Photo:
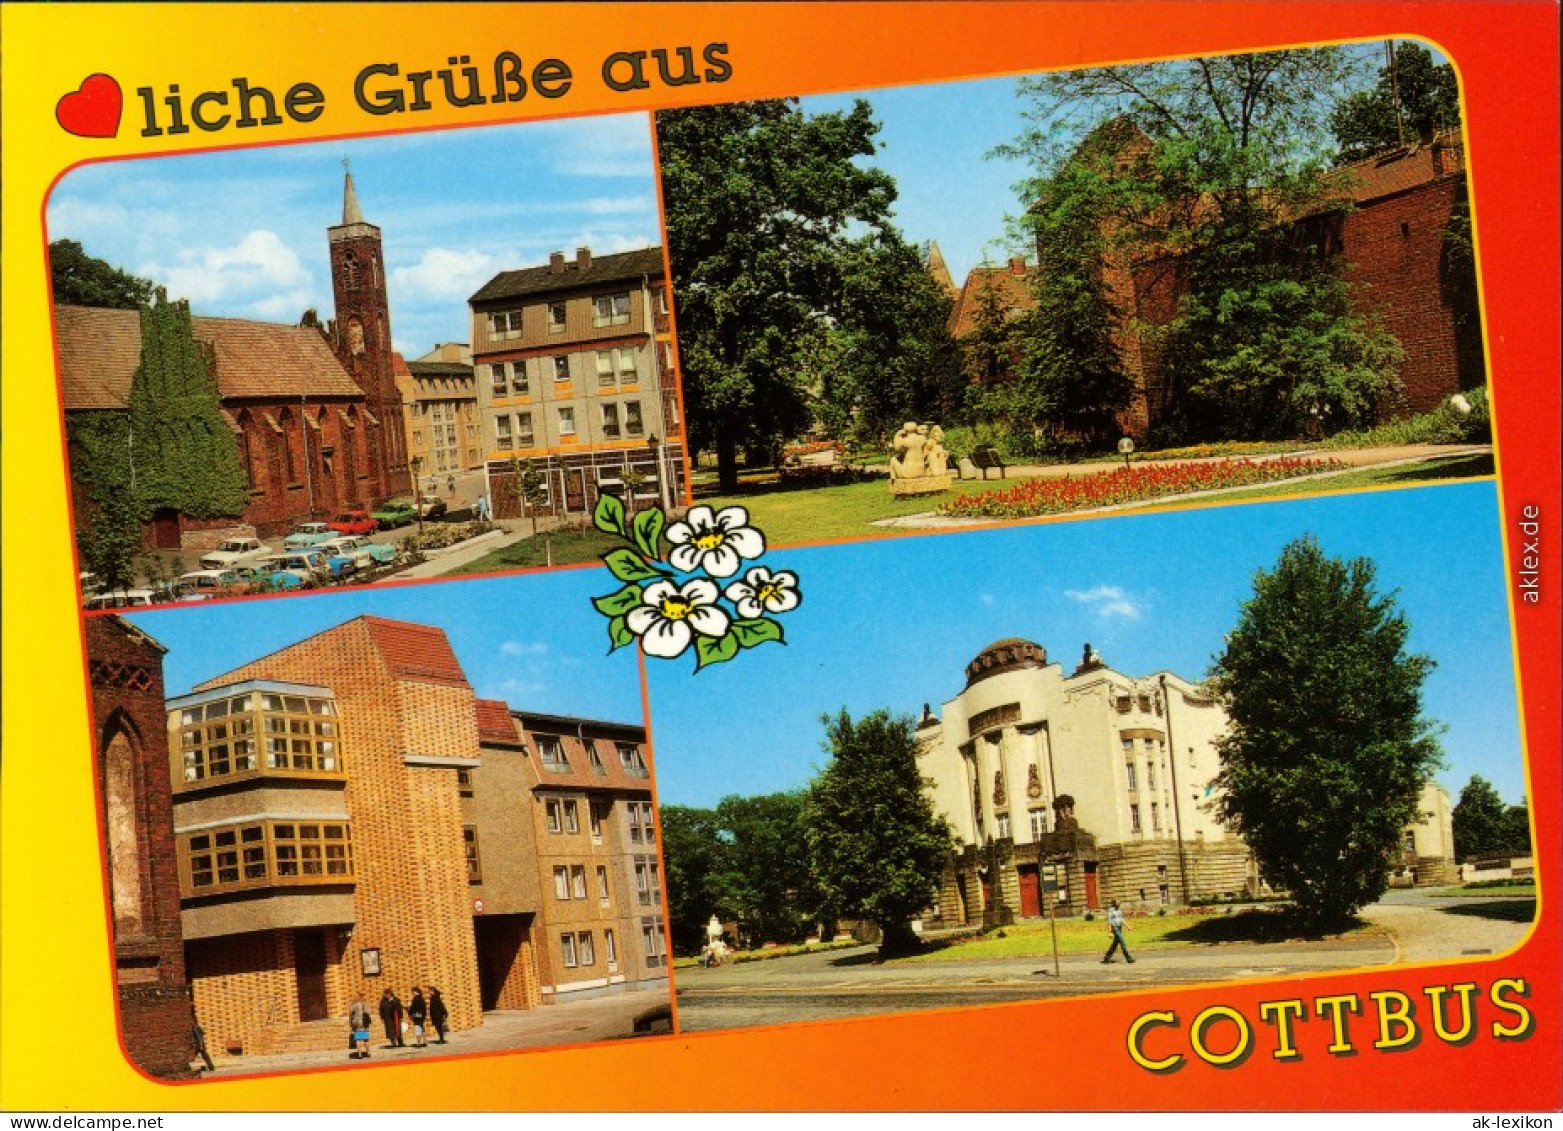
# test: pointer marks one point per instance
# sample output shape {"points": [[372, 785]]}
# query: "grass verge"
{"points": [[557, 547]]}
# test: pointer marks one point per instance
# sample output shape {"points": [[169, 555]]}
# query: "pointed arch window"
{"points": [[350, 273], [123, 826]]}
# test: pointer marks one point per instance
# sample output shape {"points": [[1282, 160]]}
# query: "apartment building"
{"points": [[575, 372]]}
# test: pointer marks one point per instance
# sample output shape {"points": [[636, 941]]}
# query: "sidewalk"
{"points": [[606, 1018]]}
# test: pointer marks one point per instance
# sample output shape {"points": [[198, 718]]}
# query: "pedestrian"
{"points": [[450, 485], [438, 1014], [1115, 925], [198, 1034], [417, 1013], [391, 1015], [358, 1022]]}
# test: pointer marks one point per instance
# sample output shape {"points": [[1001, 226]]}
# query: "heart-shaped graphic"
{"points": [[91, 110]]}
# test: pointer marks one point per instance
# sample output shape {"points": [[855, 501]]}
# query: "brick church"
{"points": [[313, 409]]}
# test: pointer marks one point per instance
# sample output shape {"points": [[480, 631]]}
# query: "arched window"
{"points": [[119, 796], [350, 271], [290, 446]]}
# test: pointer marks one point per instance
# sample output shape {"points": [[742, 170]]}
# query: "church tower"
{"points": [[361, 338]]}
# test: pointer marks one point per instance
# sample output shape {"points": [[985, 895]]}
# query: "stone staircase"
{"points": [[305, 1036]]}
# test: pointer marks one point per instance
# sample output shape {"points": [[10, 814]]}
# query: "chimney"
{"points": [[583, 257], [1017, 266], [556, 263]]}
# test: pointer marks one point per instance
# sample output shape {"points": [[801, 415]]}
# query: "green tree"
{"points": [[185, 457], [1208, 168], [692, 855], [1326, 753], [1413, 99], [764, 876], [103, 493], [1517, 829], [876, 846], [1480, 821], [760, 200], [80, 280]]}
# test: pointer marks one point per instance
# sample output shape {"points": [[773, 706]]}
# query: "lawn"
{"points": [[1492, 891], [801, 515], [1034, 939], [558, 547]]}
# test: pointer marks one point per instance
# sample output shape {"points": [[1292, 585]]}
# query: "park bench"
{"points": [[985, 457]]}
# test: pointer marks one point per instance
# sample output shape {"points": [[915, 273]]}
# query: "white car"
{"points": [[122, 599], [235, 551]]}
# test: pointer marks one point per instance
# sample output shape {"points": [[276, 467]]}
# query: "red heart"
{"points": [[92, 110]]}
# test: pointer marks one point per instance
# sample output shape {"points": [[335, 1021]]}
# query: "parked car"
{"points": [[308, 565], [354, 522], [199, 584], [432, 508], [365, 553], [307, 534], [397, 512], [122, 599], [235, 551]]}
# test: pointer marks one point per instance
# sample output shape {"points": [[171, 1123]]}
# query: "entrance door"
{"points": [[1030, 890], [309, 967], [1093, 898], [574, 489], [165, 529]]}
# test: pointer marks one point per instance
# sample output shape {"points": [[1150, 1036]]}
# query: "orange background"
{"points": [[57, 1034]]}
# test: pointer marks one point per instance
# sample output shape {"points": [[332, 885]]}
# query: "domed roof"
{"points": [[1007, 655]]}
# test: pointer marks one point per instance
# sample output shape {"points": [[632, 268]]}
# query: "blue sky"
{"points": [[893, 625], [508, 633], [242, 233]]}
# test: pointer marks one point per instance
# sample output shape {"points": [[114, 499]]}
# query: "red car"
{"points": [[354, 522]]}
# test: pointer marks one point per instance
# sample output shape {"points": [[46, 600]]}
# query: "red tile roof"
{"points": [[1402, 169], [416, 652], [1013, 284], [573, 734], [495, 723], [99, 351]]}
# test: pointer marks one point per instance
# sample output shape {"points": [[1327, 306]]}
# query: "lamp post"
{"points": [[417, 490], [655, 445]]}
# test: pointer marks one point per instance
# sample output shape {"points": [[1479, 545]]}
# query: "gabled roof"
{"points": [[99, 351], [415, 652], [1013, 283], [601, 270], [495, 723]]}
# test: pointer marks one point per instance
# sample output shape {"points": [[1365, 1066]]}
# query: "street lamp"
{"points": [[417, 490]]}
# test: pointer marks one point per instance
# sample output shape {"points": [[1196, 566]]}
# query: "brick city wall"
{"points": [[411, 895], [1395, 251], [125, 673]]}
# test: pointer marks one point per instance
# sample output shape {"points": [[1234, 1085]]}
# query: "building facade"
{"points": [[313, 409], [440, 404], [575, 372], [125, 675], [347, 817], [1071, 790]]}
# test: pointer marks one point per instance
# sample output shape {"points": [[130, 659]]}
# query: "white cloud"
{"points": [[1106, 601], [523, 648], [444, 273], [259, 264]]}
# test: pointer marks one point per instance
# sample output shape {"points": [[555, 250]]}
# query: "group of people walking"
{"points": [[400, 1020]]}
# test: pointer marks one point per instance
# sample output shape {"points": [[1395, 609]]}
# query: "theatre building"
{"points": [[1072, 790]]}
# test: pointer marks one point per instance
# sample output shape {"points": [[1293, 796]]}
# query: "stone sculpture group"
{"points": [[919, 461]]}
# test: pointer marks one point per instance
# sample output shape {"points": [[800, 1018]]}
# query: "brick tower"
{"points": [[361, 334]]}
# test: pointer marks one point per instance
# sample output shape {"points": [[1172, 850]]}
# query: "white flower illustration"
{"points": [[762, 591], [670, 615], [716, 542]]}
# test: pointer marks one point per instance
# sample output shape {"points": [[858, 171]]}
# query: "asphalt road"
{"points": [[850, 983]]}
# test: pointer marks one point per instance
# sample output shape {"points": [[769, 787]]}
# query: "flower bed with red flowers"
{"points": [[1133, 484]]}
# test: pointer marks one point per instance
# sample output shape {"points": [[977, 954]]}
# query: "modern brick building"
{"points": [[348, 817], [313, 409], [1098, 783], [125, 675], [575, 371]]}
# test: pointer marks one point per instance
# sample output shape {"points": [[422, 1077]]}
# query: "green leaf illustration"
{"points": [[748, 633], [619, 634], [714, 650], [617, 604], [648, 526], [627, 565], [609, 515]]}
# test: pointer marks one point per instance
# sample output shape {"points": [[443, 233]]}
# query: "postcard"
{"points": [[771, 557]]}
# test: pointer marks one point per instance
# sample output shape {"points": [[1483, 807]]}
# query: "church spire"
{"points": [[350, 210]]}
